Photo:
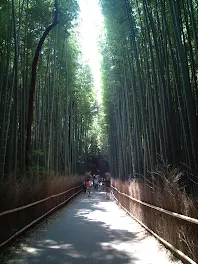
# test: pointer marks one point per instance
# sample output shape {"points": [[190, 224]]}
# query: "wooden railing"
{"points": [[6, 216], [173, 214]]}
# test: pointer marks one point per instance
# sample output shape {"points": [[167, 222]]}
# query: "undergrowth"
{"points": [[16, 193], [166, 190]]}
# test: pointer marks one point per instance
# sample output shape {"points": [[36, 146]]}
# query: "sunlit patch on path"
{"points": [[89, 230]]}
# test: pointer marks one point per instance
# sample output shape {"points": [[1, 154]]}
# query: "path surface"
{"points": [[90, 230]]}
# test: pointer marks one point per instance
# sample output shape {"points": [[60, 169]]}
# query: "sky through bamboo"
{"points": [[90, 29]]}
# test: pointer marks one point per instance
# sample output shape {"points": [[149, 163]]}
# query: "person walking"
{"points": [[108, 185], [95, 182], [84, 186], [88, 187]]}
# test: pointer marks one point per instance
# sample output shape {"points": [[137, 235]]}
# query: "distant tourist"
{"points": [[103, 183], [108, 184], [84, 186], [88, 187], [95, 182]]}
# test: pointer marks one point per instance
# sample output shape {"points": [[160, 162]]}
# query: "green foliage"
{"points": [[63, 99], [37, 153], [149, 78]]}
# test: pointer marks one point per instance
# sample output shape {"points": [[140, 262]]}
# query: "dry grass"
{"points": [[14, 194], [167, 192]]}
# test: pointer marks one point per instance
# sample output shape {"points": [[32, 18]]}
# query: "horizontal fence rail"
{"points": [[37, 202], [39, 218], [167, 244], [180, 216], [177, 251]]}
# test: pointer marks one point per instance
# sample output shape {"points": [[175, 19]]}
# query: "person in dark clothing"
{"points": [[103, 183], [84, 186], [108, 185]]}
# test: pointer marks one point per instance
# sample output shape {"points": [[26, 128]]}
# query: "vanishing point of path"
{"points": [[90, 230]]}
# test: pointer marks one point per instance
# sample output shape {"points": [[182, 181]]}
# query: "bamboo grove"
{"points": [[63, 101], [150, 70]]}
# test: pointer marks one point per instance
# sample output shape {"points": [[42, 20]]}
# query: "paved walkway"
{"points": [[90, 230]]}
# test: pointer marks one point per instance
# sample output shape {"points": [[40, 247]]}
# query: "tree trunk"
{"points": [[33, 83]]}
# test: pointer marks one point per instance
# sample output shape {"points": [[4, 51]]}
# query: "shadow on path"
{"points": [[91, 230]]}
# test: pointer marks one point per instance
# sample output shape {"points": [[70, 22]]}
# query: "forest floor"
{"points": [[89, 230]]}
